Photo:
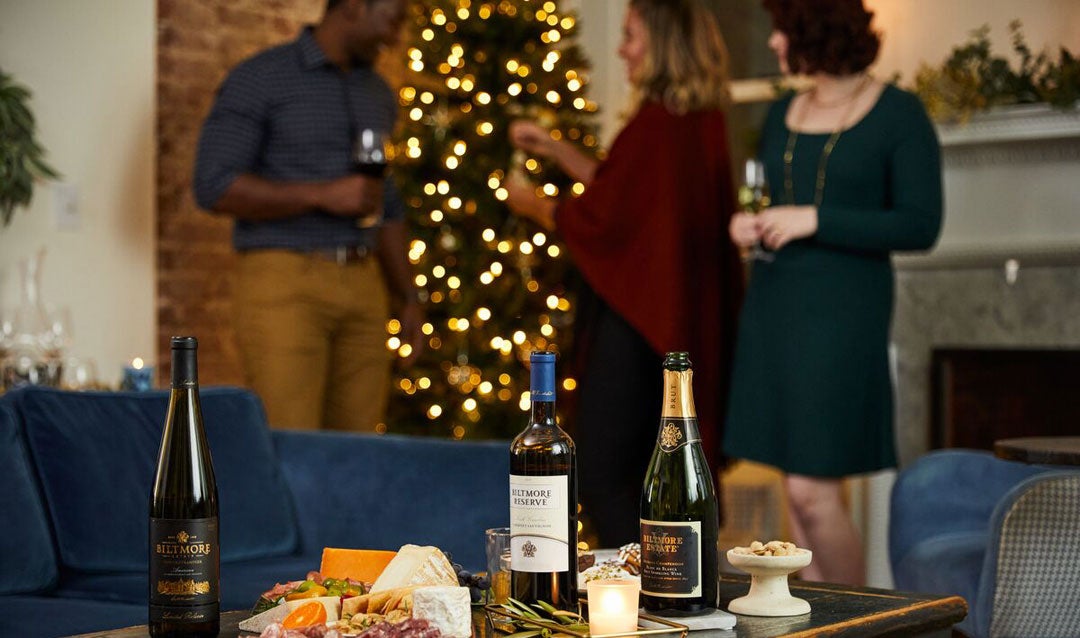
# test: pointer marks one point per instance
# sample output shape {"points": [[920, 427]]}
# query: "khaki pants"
{"points": [[312, 338]]}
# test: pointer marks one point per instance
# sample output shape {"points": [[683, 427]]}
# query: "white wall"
{"points": [[927, 30], [601, 31], [90, 66]]}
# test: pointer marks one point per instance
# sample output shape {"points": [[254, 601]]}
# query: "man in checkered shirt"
{"points": [[315, 283]]}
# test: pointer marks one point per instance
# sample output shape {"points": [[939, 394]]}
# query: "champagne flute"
{"points": [[754, 198], [371, 154]]}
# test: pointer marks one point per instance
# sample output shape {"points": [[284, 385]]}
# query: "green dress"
{"points": [[811, 392]]}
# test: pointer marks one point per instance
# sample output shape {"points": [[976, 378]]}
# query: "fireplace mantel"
{"points": [[1011, 190], [1023, 123]]}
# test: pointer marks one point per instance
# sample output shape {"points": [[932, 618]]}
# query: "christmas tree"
{"points": [[495, 286]]}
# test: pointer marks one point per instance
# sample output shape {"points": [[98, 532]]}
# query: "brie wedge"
{"points": [[415, 565], [445, 607]]}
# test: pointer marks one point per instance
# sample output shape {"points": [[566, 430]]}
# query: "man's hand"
{"points": [[352, 196], [782, 224]]}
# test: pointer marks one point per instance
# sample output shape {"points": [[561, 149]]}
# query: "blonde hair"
{"points": [[686, 63]]}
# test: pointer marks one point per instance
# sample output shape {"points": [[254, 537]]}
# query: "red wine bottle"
{"points": [[543, 500], [184, 550]]}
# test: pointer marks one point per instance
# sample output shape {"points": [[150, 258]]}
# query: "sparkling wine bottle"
{"points": [[543, 500], [680, 523], [184, 556]]}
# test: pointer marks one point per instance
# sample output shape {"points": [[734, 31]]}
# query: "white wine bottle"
{"points": [[184, 550], [680, 516], [543, 500]]}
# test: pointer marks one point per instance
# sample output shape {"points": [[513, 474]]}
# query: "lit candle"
{"points": [[138, 376], [613, 606]]}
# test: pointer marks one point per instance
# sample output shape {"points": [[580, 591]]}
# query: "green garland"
{"points": [[973, 79]]}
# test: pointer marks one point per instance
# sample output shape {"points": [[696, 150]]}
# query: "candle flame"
{"points": [[612, 602], [137, 363]]}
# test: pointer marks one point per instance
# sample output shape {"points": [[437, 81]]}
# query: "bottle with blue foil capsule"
{"points": [[543, 499]]}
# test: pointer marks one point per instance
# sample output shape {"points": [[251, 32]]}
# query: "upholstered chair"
{"points": [[1004, 535]]}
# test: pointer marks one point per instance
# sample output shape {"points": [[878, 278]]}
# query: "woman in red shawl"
{"points": [[649, 237]]}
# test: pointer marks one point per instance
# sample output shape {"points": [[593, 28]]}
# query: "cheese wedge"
{"points": [[415, 565], [363, 565], [448, 608]]}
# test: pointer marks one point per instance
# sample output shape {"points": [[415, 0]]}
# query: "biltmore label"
{"points": [[540, 523], [671, 558], [184, 566]]}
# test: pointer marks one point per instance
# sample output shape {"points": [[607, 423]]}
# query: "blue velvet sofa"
{"points": [[78, 470]]}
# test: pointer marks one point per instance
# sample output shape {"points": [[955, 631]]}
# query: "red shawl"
{"points": [[650, 236]]}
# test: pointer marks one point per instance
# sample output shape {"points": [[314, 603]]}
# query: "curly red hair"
{"points": [[826, 36]]}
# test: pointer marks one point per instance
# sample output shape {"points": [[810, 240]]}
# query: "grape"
{"points": [[478, 584]]}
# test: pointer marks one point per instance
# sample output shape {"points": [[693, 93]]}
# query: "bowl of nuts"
{"points": [[769, 565]]}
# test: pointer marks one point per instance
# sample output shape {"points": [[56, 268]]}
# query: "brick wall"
{"points": [[198, 42]]}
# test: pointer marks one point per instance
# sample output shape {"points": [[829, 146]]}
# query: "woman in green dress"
{"points": [[854, 172]]}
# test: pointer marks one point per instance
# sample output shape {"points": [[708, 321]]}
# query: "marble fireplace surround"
{"points": [[1005, 274]]}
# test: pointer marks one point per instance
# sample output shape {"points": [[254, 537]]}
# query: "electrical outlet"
{"points": [[65, 197]]}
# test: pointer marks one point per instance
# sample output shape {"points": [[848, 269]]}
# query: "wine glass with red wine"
{"points": [[371, 154]]}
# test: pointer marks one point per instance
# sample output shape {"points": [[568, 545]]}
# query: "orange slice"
{"points": [[305, 615]]}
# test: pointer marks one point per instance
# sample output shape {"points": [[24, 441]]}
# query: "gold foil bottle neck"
{"points": [[678, 395]]}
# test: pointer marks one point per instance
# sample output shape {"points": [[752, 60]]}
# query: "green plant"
{"points": [[1060, 84], [973, 78], [21, 156]]}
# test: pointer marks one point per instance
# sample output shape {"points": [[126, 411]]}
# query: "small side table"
{"points": [[1043, 450]]}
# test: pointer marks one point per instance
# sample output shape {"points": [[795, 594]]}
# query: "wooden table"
{"points": [[836, 610], [839, 610], [1046, 450]]}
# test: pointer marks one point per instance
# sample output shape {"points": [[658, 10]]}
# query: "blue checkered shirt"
{"points": [[289, 114]]}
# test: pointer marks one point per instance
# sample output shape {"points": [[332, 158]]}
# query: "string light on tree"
{"points": [[495, 286]]}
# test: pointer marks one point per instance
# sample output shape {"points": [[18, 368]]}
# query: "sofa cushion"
{"points": [[96, 454], [26, 550], [398, 490], [48, 617], [240, 586]]}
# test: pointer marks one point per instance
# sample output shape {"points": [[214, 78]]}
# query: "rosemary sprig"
{"points": [[544, 612]]}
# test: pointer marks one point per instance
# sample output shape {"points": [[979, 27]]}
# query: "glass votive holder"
{"points": [[613, 606], [138, 377]]}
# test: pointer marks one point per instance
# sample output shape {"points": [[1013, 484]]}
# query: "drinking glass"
{"points": [[58, 331], [754, 198], [79, 374], [498, 562], [7, 330], [371, 154]]}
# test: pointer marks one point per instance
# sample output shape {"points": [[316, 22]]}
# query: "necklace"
{"points": [[830, 144]]}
